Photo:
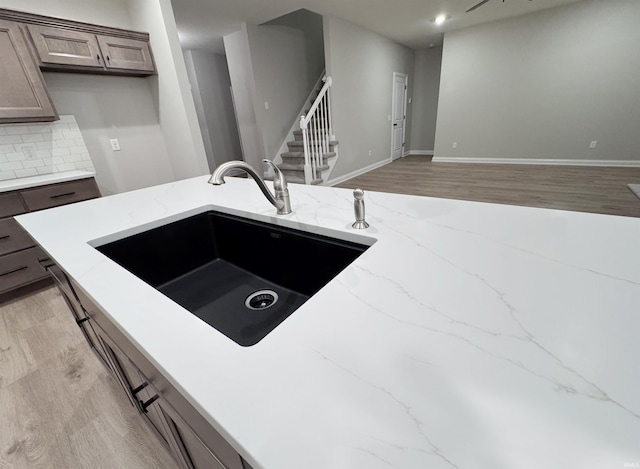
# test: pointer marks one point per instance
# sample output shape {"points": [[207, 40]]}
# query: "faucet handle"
{"points": [[279, 181]]}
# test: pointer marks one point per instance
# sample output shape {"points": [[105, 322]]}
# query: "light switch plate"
{"points": [[115, 144]]}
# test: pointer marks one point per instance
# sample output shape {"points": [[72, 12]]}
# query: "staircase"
{"points": [[309, 157], [293, 161]]}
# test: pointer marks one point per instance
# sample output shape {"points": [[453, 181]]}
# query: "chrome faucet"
{"points": [[281, 198]]}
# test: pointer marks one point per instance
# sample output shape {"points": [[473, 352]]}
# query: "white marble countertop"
{"points": [[469, 335], [43, 180]]}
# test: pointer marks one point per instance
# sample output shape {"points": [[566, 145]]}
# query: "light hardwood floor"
{"points": [[59, 408], [577, 188]]}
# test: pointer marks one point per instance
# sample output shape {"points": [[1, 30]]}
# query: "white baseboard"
{"points": [[419, 153], [358, 172], [535, 161]]}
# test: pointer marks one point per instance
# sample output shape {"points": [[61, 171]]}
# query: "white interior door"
{"points": [[398, 114]]}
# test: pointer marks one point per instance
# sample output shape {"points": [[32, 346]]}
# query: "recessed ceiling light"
{"points": [[438, 20]]}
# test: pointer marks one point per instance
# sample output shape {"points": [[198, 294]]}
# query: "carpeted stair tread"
{"points": [[300, 143], [299, 167], [300, 154]]}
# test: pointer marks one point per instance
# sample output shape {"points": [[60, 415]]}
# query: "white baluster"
{"points": [[316, 125], [305, 146]]}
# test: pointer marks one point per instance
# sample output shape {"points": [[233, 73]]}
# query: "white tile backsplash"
{"points": [[57, 147], [25, 173], [33, 138], [9, 139]]}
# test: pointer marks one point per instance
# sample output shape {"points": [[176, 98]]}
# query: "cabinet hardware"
{"points": [[14, 270], [80, 321], [66, 194], [144, 405], [139, 388], [108, 59], [46, 263], [5, 237], [98, 57]]}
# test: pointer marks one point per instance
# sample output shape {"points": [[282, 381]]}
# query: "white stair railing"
{"points": [[317, 132]]}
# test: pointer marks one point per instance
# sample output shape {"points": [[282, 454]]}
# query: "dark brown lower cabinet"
{"points": [[193, 448], [21, 260], [194, 445], [145, 397], [79, 314]]}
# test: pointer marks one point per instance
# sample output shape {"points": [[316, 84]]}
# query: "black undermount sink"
{"points": [[242, 277]]}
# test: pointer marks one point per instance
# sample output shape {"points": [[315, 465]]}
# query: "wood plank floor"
{"points": [[59, 407], [576, 188]]}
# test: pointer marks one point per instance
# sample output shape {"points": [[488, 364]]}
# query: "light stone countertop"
{"points": [[470, 335], [43, 180]]}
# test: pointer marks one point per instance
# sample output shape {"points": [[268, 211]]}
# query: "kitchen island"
{"points": [[468, 335]]}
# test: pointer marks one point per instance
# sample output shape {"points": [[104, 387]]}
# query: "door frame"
{"points": [[404, 112]]}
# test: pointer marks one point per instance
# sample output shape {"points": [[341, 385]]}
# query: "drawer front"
{"points": [[10, 205], [60, 194], [21, 268], [13, 237]]}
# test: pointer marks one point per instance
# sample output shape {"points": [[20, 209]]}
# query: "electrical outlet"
{"points": [[115, 144], [369, 152], [28, 150], [593, 144], [455, 145], [266, 105]]}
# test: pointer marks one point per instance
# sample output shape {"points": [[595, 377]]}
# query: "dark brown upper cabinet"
{"points": [[126, 54], [56, 46], [66, 49], [30, 42], [23, 95]]}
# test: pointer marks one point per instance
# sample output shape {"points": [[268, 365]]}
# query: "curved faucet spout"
{"points": [[281, 199]]}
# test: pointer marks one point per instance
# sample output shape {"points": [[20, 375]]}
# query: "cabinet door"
{"points": [[144, 396], [126, 54], [23, 96], [56, 46], [194, 450], [79, 314], [140, 391]]}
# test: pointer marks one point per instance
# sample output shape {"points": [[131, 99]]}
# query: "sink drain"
{"points": [[262, 299]]}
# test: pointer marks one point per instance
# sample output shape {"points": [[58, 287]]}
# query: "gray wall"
{"points": [[175, 106], [544, 85], [361, 64], [211, 89], [115, 107], [271, 64], [236, 46], [311, 25], [424, 108], [287, 62]]}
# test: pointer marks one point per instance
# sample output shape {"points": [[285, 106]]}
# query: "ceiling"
{"points": [[202, 23]]}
